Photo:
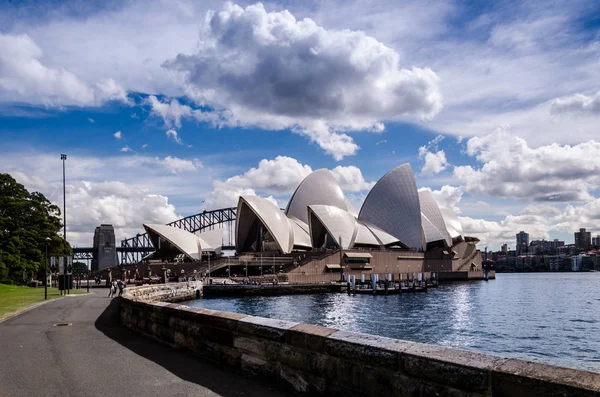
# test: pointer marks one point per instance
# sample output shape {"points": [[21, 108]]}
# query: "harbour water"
{"points": [[547, 317]]}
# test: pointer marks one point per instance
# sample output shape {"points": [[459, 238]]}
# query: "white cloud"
{"points": [[24, 78], [144, 146], [277, 179], [172, 134], [447, 196], [171, 112], [91, 120], [433, 162], [118, 134], [268, 69], [510, 168], [176, 165], [577, 103], [278, 176], [351, 179], [126, 149]]}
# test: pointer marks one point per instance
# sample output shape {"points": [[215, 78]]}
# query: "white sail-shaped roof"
{"points": [[186, 242], [364, 236], [434, 226], [211, 240], [430, 232], [338, 222], [319, 188], [301, 233], [252, 207], [393, 206], [383, 237], [452, 223]]}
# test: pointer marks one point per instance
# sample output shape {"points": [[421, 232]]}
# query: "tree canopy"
{"points": [[26, 221]]}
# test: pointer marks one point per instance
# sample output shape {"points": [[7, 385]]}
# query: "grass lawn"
{"points": [[13, 297]]}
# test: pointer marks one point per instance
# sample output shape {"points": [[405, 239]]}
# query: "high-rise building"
{"points": [[522, 242], [505, 249], [583, 239], [105, 249], [596, 241]]}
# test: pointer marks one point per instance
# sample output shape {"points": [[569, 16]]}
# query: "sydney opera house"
{"points": [[397, 230]]}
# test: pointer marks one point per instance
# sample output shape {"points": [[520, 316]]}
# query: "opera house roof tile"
{"points": [[393, 206]]}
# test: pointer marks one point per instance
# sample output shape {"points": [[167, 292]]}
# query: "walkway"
{"points": [[96, 356]]}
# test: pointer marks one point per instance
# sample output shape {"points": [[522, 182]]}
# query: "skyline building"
{"points": [[522, 242], [583, 239]]}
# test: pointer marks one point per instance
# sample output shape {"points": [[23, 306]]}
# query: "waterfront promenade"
{"points": [[96, 356]]}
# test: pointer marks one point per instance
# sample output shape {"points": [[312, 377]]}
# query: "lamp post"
{"points": [[63, 157], [46, 270]]}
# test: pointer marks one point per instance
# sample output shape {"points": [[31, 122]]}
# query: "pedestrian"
{"points": [[114, 288], [110, 290], [121, 285]]}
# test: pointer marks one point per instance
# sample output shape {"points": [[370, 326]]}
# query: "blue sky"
{"points": [[495, 106]]}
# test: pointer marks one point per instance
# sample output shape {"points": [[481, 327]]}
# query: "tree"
{"points": [[26, 220], [79, 268]]}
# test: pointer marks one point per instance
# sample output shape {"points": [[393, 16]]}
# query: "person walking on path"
{"points": [[113, 289], [121, 285]]}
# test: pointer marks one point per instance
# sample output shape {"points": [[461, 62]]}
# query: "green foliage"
{"points": [[26, 221], [79, 268]]}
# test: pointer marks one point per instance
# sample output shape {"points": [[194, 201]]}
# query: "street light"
{"points": [[63, 157], [46, 270]]}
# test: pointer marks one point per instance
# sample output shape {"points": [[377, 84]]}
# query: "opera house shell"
{"points": [[395, 215], [171, 241]]}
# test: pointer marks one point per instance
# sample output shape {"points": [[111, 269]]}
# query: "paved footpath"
{"points": [[97, 356]]}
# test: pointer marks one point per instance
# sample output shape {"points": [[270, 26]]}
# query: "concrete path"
{"points": [[96, 356]]}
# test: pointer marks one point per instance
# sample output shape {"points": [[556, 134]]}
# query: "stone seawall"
{"points": [[172, 292], [268, 289], [325, 361]]}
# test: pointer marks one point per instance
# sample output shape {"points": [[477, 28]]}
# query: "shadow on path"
{"points": [[226, 382]]}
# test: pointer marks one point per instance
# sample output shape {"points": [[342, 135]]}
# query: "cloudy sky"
{"points": [[166, 108]]}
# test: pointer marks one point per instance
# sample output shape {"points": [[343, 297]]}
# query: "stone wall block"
{"points": [[222, 337], [464, 370], [365, 348], [309, 337], [252, 346], [259, 366], [524, 378], [267, 328], [300, 359], [215, 352], [296, 379], [216, 319]]}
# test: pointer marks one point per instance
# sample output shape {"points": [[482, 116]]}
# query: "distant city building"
{"points": [[583, 239], [545, 247], [522, 242], [596, 241], [576, 263], [505, 249], [105, 249]]}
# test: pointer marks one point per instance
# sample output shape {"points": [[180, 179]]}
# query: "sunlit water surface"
{"points": [[546, 317]]}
